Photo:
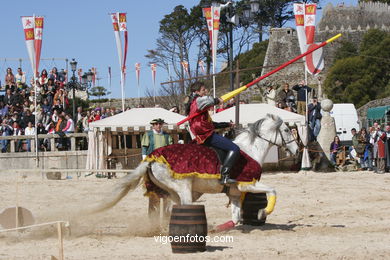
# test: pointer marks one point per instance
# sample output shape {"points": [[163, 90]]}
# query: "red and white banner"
{"points": [[94, 76], [38, 41], [137, 71], [80, 74], [28, 27], [209, 19], [305, 23], [119, 23], [310, 22], [153, 67], [184, 64], [299, 12]]}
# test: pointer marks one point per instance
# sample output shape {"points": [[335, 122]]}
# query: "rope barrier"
{"points": [[36, 225]]}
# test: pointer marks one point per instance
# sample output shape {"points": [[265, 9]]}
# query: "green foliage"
{"points": [[78, 103], [347, 49], [252, 58], [99, 91], [363, 76]]}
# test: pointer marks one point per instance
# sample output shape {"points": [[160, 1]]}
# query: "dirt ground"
{"points": [[340, 215]]}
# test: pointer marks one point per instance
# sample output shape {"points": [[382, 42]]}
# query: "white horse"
{"points": [[255, 141]]}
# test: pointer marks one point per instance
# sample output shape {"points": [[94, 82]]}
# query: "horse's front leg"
{"points": [[261, 188]]}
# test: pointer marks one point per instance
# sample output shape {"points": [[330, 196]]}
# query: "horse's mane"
{"points": [[253, 129]]}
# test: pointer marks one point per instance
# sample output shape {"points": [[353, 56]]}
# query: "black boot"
{"points": [[228, 164]]}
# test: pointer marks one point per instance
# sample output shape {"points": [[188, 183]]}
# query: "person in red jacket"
{"points": [[203, 128]]}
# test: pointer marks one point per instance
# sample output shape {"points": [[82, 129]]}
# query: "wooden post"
{"points": [[60, 241]]}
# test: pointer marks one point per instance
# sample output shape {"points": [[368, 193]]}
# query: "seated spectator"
{"points": [[43, 78], [8, 97], [27, 117], [69, 128], [5, 130], [53, 74], [335, 149], [10, 80], [20, 79]]}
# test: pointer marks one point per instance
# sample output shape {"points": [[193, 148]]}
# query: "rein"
{"points": [[276, 137]]}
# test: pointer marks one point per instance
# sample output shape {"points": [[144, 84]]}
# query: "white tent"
{"points": [[133, 120], [250, 113], [137, 117]]}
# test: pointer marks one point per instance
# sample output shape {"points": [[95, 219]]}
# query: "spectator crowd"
{"points": [[18, 109]]}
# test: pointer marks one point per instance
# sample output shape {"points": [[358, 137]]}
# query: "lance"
{"points": [[234, 93]]}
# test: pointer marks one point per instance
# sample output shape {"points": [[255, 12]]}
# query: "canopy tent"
{"points": [[250, 113], [377, 113], [133, 121], [137, 117]]}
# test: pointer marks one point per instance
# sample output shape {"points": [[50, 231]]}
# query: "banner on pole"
{"points": [[38, 41], [305, 15], [28, 27], [153, 67], [137, 71]]}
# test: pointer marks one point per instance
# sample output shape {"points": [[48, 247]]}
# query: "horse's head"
{"points": [[274, 131]]}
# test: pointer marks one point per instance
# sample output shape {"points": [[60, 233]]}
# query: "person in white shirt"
{"points": [[30, 130], [270, 95], [69, 128], [20, 79]]}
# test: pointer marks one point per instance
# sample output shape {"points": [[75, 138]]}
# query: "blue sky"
{"points": [[82, 30]]}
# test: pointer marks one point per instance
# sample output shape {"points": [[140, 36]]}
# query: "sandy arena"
{"points": [[317, 215]]}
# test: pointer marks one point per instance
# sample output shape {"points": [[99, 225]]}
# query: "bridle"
{"points": [[279, 132]]}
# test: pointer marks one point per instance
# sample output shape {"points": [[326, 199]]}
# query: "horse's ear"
{"points": [[277, 120]]}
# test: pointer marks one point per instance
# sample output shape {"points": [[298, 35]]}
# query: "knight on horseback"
{"points": [[202, 127]]}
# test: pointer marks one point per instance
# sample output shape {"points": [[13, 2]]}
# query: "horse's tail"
{"points": [[126, 184]]}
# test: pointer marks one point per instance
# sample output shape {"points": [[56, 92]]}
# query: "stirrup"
{"points": [[225, 180]]}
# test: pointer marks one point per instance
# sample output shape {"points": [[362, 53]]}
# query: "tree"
{"points": [[364, 76], [99, 91]]}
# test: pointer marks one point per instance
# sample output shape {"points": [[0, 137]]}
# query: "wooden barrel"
{"points": [[188, 229], [251, 205]]}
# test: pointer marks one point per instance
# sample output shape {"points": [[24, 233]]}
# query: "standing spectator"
{"points": [[151, 140], [79, 114], [97, 115], [5, 130], [53, 74], [155, 138], [20, 79], [303, 91], [30, 130], [283, 95], [270, 95], [314, 110], [85, 121], [387, 131], [17, 132], [41, 131], [374, 142], [10, 80], [364, 150], [380, 139], [355, 141]]}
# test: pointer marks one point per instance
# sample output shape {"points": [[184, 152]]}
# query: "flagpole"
{"points": [[123, 91], [35, 105], [109, 85]]}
